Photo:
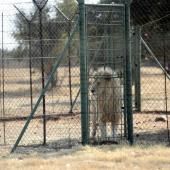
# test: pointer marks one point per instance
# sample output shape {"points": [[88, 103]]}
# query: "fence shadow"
{"points": [[61, 146], [152, 137]]}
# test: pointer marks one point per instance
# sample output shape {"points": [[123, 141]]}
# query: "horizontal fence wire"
{"points": [[105, 51]]}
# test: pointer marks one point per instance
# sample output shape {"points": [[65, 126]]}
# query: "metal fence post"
{"points": [[128, 72], [40, 5], [137, 69], [83, 75]]}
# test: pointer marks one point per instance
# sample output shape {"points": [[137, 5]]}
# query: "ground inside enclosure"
{"points": [[63, 129], [17, 94], [154, 106], [113, 157]]}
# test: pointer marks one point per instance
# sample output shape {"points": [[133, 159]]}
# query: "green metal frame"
{"points": [[83, 75], [128, 74], [128, 113]]}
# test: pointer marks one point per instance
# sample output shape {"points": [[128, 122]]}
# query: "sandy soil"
{"points": [[66, 130]]}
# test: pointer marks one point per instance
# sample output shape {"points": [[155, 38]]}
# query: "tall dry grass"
{"points": [[93, 158]]}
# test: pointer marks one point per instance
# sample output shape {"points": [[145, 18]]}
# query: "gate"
{"points": [[105, 27]]}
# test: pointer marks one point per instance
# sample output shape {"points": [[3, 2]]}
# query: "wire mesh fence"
{"points": [[26, 64], [31, 42], [151, 124], [105, 50]]}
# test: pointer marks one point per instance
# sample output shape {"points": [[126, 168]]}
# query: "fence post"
{"points": [[137, 69], [40, 5], [128, 72], [83, 75]]}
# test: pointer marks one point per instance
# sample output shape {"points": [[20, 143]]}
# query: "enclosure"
{"points": [[49, 53]]}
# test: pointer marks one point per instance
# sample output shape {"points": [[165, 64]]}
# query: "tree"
{"points": [[54, 28], [54, 32], [144, 11], [68, 7]]}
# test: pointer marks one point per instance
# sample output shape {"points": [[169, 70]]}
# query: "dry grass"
{"points": [[91, 158]]}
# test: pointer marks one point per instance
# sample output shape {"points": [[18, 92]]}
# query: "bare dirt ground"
{"points": [[67, 129], [92, 158]]}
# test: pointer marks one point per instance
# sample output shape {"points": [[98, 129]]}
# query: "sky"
{"points": [[4, 4], [8, 10]]}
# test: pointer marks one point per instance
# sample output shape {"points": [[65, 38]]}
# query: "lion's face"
{"points": [[102, 79]]}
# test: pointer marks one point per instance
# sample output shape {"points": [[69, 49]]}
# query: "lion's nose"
{"points": [[92, 90]]}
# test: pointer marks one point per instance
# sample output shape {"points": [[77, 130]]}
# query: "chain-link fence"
{"points": [[151, 20], [32, 40], [106, 51]]}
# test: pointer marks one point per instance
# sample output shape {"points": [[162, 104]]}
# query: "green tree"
{"points": [[54, 32], [145, 11], [68, 7]]}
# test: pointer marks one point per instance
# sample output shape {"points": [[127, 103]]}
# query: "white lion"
{"points": [[105, 104]]}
